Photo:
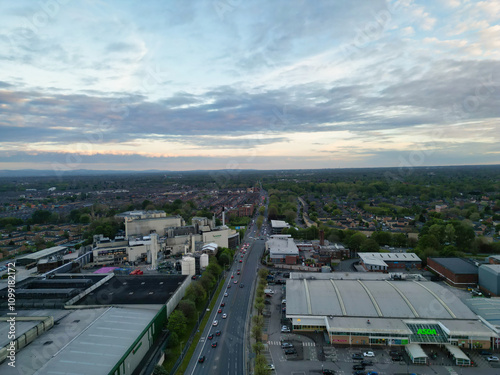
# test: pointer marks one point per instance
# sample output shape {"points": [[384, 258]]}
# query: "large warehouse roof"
{"points": [[391, 257], [374, 298], [457, 265]]}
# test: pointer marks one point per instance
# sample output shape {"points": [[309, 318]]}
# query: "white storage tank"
{"points": [[203, 261], [188, 266]]}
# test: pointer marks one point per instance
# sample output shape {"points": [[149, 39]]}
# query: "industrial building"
{"points": [[489, 279], [282, 249], [382, 262], [33, 258], [377, 309], [457, 271], [96, 323]]}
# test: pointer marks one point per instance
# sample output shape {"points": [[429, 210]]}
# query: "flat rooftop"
{"points": [[84, 342], [138, 289], [391, 257], [457, 265]]}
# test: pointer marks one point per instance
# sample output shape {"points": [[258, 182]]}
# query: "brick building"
{"points": [[457, 271]]}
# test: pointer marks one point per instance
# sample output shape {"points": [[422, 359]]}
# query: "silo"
{"points": [[203, 261], [188, 266]]}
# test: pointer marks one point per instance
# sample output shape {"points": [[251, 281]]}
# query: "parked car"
{"points": [[372, 373], [358, 366], [369, 354], [492, 358], [285, 329], [359, 372], [357, 356], [367, 363], [485, 352], [328, 372]]}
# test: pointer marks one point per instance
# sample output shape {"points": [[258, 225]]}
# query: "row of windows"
{"points": [[309, 328]]}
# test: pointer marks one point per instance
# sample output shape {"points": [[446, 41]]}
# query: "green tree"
{"points": [[370, 246], [41, 217], [188, 308], [356, 241], [382, 238], [177, 322]]}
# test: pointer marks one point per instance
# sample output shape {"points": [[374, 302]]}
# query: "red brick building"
{"points": [[457, 271]]}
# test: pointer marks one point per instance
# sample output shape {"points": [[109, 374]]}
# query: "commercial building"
{"points": [[277, 226], [95, 324], [489, 279], [35, 257], [282, 249], [457, 271], [381, 311], [382, 262]]}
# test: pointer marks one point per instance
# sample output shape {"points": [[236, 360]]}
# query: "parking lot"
{"points": [[313, 353]]}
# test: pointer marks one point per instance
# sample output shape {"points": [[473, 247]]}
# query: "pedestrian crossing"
{"points": [[279, 343]]}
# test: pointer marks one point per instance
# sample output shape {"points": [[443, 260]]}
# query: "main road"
{"points": [[230, 356]]}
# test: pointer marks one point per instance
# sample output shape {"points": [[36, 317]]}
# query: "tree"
{"points": [[41, 217], [188, 308], [224, 258], [257, 332], [356, 241], [260, 307], [173, 340], [382, 238], [370, 246], [258, 347], [196, 293], [177, 322], [160, 370], [428, 241]]}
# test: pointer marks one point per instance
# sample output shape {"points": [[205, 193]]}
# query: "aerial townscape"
{"points": [[232, 187]]}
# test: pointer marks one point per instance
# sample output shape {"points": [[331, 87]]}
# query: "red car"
{"points": [[222, 304], [232, 276], [241, 261], [238, 272], [220, 310]]}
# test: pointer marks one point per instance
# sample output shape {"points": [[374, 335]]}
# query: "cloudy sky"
{"points": [[215, 84]]}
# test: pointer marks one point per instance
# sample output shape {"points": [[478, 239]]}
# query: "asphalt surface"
{"points": [[230, 357]]}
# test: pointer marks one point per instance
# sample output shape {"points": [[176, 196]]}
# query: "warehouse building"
{"points": [[457, 271], [382, 262], [383, 311], [98, 324], [489, 279]]}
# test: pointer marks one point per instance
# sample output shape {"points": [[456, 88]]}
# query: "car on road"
{"points": [[201, 359], [369, 354], [238, 272], [241, 261], [217, 333], [290, 351], [357, 356], [210, 337], [286, 345], [242, 285], [225, 294], [232, 276], [224, 316], [222, 304], [236, 281], [492, 358], [214, 345], [215, 323], [219, 311], [285, 329]]}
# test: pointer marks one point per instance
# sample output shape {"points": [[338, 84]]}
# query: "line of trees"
{"points": [[258, 325]]}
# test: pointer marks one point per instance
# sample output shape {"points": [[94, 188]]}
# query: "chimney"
{"points": [[322, 238], [223, 216]]}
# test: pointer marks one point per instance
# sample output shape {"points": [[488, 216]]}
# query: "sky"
{"points": [[233, 84]]}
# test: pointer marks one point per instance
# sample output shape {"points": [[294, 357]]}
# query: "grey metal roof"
{"points": [[374, 298], [487, 308], [391, 257], [86, 342], [43, 253], [457, 265]]}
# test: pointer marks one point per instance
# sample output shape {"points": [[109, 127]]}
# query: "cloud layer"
{"points": [[122, 85]]}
